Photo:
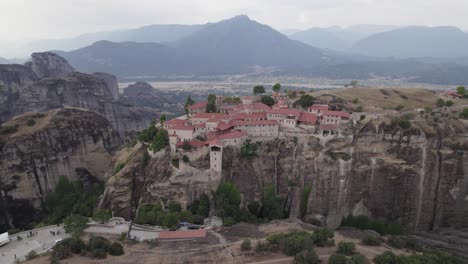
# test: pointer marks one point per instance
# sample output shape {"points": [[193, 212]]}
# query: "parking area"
{"points": [[39, 240]]}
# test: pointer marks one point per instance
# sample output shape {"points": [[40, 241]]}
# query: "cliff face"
{"points": [[417, 177], [49, 83], [77, 144]]}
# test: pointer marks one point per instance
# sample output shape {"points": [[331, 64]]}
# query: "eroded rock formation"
{"points": [[77, 144], [416, 177], [48, 82]]}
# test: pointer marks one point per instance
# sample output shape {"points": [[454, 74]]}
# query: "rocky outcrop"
{"points": [[77, 144], [13, 78], [49, 65], [111, 82], [417, 177], [24, 89]]}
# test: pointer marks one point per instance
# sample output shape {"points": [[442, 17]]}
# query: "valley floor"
{"points": [[221, 246]]}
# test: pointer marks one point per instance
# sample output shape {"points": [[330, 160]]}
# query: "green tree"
{"points": [[163, 118], [211, 105], [305, 101], [305, 199], [354, 83], [201, 206], [272, 204], [171, 220], [276, 88], [440, 102], [449, 103], [188, 103], [258, 89], [307, 257], [102, 215], [464, 113], [161, 140], [461, 90], [174, 207], [186, 146], [227, 200], [246, 245], [337, 258], [75, 224], [268, 100], [346, 248]]}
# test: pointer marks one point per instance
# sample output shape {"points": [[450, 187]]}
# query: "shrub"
{"points": [[246, 245], [98, 242], [358, 259], [323, 237], [122, 236], [31, 254], [296, 242], [264, 246], [305, 199], [397, 242], [99, 253], [229, 221], [449, 103], [463, 114], [362, 117], [359, 109], [118, 167], [365, 223], [116, 249], [307, 257], [31, 122], [440, 102], [227, 200], [174, 207], [337, 259], [185, 159], [346, 248], [386, 258], [76, 245], [371, 241], [61, 251], [8, 129]]}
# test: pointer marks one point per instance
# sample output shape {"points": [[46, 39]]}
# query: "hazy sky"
{"points": [[39, 19]]}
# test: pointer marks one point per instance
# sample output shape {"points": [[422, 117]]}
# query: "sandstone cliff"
{"points": [[417, 177], [48, 82], [77, 144]]}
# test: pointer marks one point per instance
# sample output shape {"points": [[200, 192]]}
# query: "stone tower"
{"points": [[216, 158]]}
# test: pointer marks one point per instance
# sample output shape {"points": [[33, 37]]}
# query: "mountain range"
{"points": [[338, 38], [242, 46], [232, 46]]}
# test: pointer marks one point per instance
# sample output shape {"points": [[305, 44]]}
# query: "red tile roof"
{"points": [[320, 107], [223, 126], [294, 112], [175, 121], [198, 105], [307, 118], [253, 123], [200, 233], [179, 127], [210, 116], [215, 142], [212, 135], [336, 113], [193, 143], [232, 134], [244, 116]]}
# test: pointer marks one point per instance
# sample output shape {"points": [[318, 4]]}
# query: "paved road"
{"points": [[44, 240]]}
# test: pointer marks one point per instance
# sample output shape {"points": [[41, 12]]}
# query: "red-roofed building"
{"points": [[232, 138], [318, 109], [193, 143], [202, 118], [453, 94], [327, 130], [280, 105], [307, 119], [263, 128], [184, 133], [182, 235], [286, 117], [174, 122], [196, 108], [250, 117], [335, 117], [252, 108]]}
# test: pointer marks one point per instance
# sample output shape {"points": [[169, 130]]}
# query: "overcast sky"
{"points": [[40, 19]]}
